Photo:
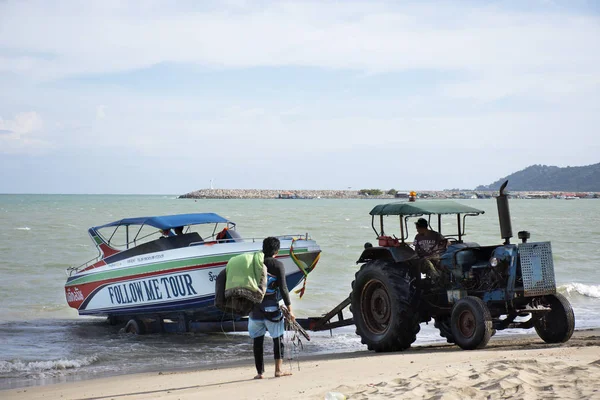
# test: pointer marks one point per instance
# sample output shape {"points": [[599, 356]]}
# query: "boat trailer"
{"points": [[181, 323]]}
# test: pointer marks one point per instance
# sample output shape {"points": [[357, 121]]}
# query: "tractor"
{"points": [[486, 288]]}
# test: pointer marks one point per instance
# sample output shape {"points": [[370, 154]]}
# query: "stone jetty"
{"points": [[272, 194], [355, 194]]}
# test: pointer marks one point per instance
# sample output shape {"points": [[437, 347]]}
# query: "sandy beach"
{"points": [[519, 367]]}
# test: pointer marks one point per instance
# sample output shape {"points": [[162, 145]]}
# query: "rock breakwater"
{"points": [[355, 194], [274, 194]]}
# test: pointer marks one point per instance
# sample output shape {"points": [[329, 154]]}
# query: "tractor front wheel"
{"points": [[471, 323], [557, 325]]}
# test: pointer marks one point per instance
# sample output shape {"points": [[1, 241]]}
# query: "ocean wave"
{"points": [[43, 366], [581, 289], [23, 228]]}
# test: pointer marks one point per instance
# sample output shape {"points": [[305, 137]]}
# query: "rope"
{"points": [[293, 340], [293, 348], [300, 265]]}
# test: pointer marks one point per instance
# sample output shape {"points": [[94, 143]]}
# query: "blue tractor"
{"points": [[486, 288]]}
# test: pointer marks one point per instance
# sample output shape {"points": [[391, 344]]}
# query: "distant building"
{"points": [[287, 195]]}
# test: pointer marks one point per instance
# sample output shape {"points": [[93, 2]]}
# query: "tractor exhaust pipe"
{"points": [[504, 215]]}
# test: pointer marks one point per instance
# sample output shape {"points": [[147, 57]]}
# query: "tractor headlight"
{"points": [[494, 262]]}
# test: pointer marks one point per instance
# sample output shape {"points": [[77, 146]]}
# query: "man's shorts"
{"points": [[258, 327]]}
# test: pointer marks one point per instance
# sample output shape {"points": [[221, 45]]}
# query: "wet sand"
{"points": [[517, 367]]}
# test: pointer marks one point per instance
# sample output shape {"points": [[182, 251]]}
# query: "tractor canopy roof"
{"points": [[424, 207]]}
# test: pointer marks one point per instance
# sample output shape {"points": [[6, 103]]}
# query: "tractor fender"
{"points": [[395, 254]]}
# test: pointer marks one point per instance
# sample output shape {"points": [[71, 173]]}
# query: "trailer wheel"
{"points": [[471, 323], [445, 327], [557, 325], [384, 307], [135, 327]]}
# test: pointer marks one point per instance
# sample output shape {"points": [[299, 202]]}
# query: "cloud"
{"points": [[371, 83], [19, 133], [100, 112], [501, 51], [361, 35], [23, 123]]}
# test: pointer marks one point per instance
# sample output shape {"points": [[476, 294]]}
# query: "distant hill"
{"points": [[550, 178]]}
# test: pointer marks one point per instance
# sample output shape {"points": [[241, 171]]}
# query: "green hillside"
{"points": [[550, 178]]}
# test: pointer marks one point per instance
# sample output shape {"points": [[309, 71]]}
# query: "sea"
{"points": [[44, 341]]}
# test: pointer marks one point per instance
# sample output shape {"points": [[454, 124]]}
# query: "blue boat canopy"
{"points": [[170, 221]]}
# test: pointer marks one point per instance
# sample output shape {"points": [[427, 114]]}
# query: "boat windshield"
{"points": [[123, 237]]}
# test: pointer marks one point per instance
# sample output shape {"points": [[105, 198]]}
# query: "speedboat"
{"points": [[146, 270]]}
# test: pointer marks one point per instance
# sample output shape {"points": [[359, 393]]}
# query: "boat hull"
{"points": [[171, 282]]}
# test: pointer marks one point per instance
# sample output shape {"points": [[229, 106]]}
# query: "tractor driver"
{"points": [[429, 245]]}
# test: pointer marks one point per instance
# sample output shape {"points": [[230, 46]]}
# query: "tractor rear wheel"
{"points": [[557, 325], [384, 306], [471, 323]]}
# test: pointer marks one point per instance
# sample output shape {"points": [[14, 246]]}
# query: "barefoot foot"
{"points": [[258, 377], [282, 373]]}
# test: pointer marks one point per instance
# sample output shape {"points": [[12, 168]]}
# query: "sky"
{"points": [[161, 97]]}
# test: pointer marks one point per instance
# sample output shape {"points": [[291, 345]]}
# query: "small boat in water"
{"points": [[145, 269]]}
